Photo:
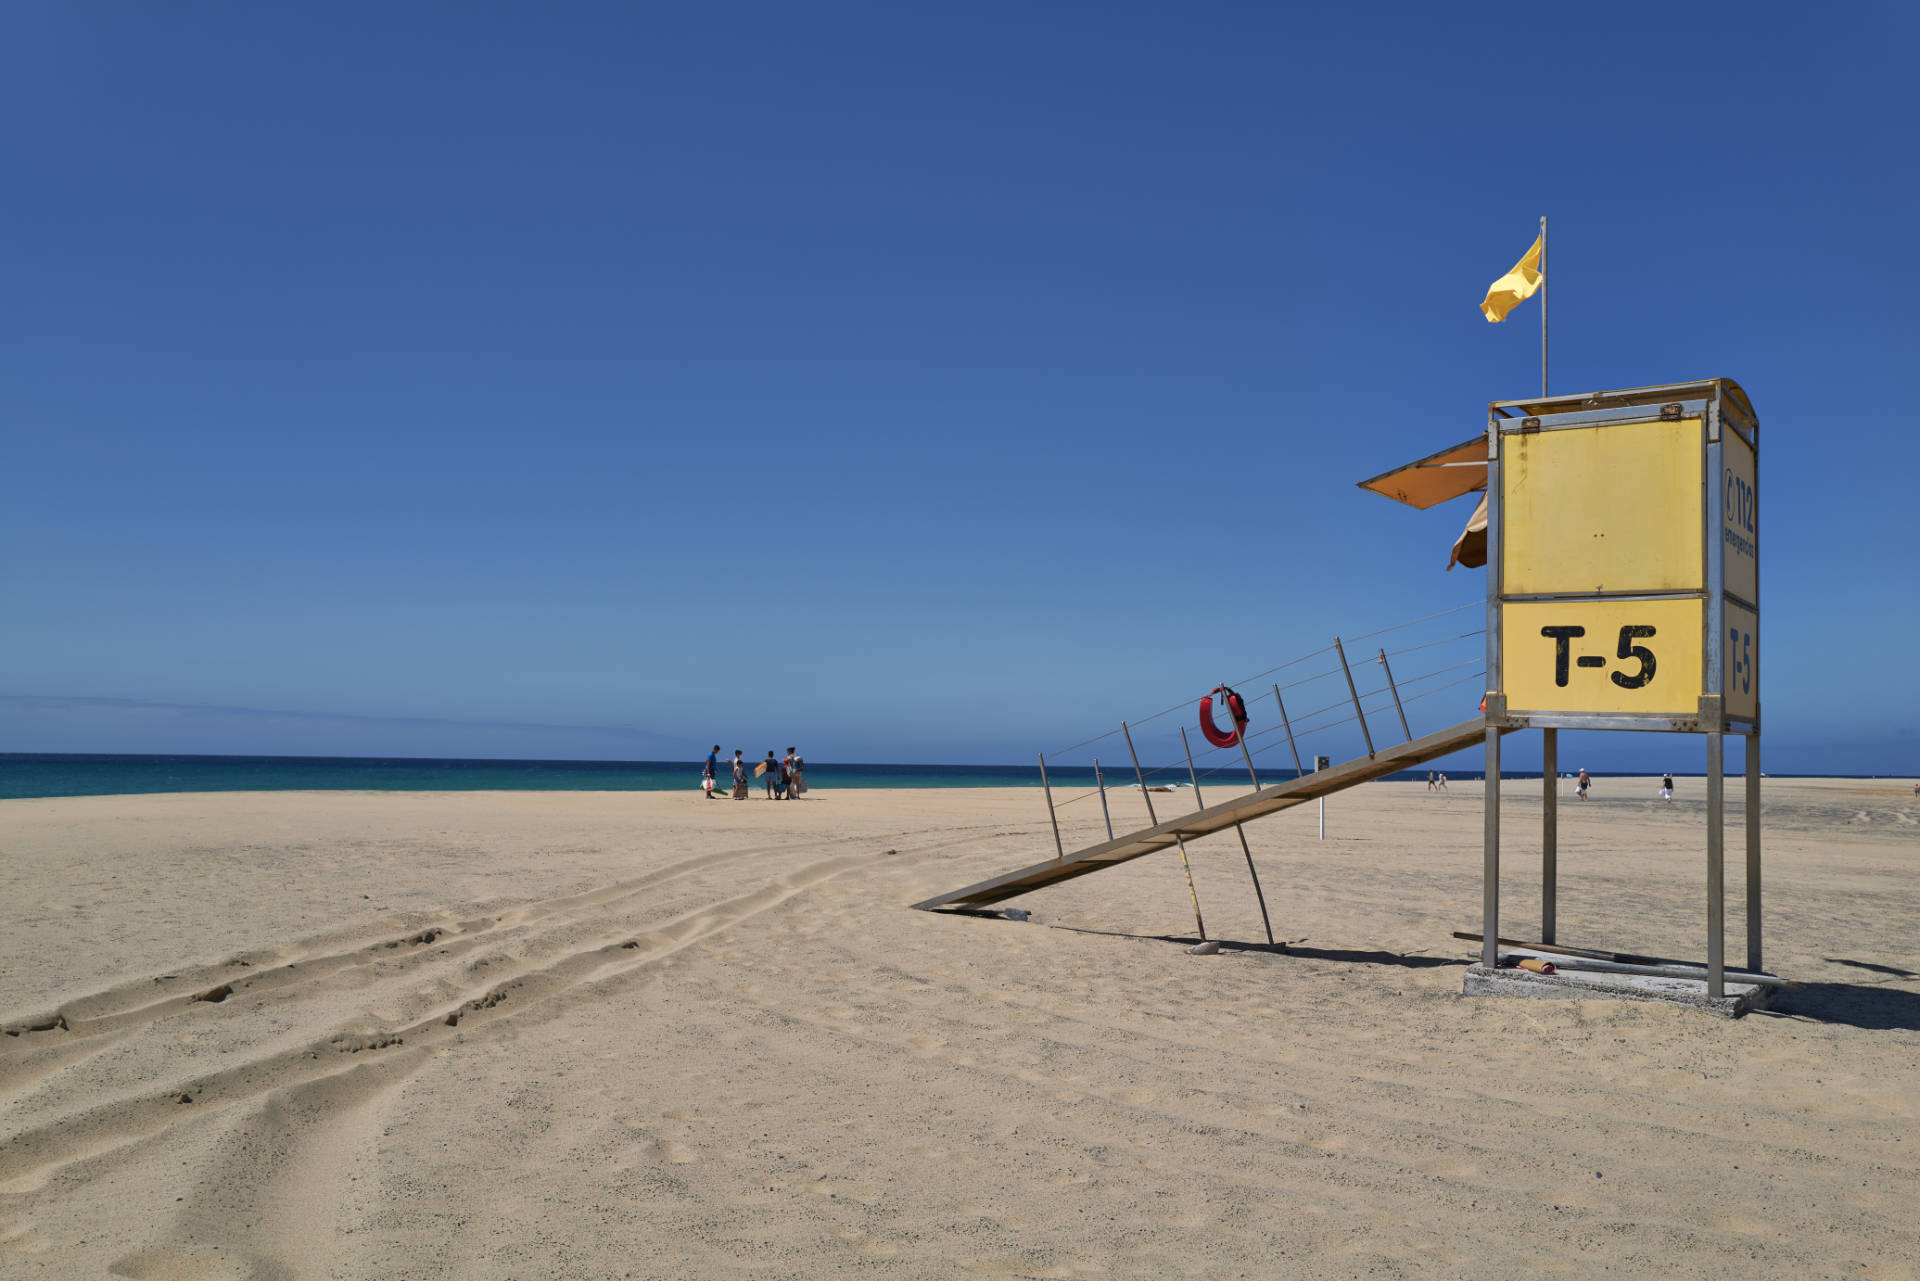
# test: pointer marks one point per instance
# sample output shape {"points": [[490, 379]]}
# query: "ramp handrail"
{"points": [[1214, 818]]}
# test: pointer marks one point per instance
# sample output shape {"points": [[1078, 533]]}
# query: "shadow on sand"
{"points": [[1861, 1005], [1296, 950], [1876, 1007], [1877, 969]]}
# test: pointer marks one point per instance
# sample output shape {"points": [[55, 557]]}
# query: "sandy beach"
{"points": [[519, 1035]]}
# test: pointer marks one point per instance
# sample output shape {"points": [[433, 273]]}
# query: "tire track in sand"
{"points": [[144, 1000], [32, 1156], [36, 1048]]}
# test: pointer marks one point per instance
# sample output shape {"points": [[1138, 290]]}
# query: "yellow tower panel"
{"points": [[1604, 657], [1605, 508]]}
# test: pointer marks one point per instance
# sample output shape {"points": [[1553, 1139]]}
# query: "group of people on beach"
{"points": [[786, 777]]}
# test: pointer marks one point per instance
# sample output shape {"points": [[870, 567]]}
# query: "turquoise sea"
{"points": [[33, 774], [39, 774]]}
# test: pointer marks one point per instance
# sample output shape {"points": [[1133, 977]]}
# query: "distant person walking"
{"points": [[712, 770], [1581, 785], [1666, 787], [786, 772], [797, 785], [771, 768], [1440, 782], [739, 776], [1430, 783]]}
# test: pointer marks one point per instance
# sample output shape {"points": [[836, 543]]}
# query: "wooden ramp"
{"points": [[1215, 818]]}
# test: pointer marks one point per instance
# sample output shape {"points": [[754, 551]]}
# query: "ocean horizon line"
{"points": [[45, 775]]}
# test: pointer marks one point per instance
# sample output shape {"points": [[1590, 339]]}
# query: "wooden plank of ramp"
{"points": [[1215, 818]]}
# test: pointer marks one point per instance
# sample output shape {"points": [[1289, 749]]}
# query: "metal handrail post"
{"points": [[1144, 794], [1100, 781], [1396, 696], [1351, 689], [1059, 850], [1248, 757], [1192, 893], [1241, 831], [1192, 774], [1288, 726], [1185, 864]]}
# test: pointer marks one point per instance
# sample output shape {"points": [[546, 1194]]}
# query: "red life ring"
{"points": [[1236, 708]]}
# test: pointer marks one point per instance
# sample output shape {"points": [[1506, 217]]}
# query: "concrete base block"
{"points": [[1587, 984]]}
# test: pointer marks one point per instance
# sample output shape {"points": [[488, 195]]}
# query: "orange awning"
{"points": [[1434, 479]]}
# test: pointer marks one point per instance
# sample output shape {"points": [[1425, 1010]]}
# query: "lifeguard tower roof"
{"points": [[1462, 468]]}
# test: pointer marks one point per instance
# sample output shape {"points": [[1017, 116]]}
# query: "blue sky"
{"points": [[917, 383]]}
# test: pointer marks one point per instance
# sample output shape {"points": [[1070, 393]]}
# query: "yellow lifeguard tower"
{"points": [[1621, 537]]}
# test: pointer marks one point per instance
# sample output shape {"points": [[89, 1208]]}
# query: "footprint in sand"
{"points": [[1020, 1268], [849, 1192], [1456, 1171], [26, 1239], [673, 1153], [863, 1244]]}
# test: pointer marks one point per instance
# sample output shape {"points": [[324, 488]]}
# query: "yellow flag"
{"points": [[1514, 288]]}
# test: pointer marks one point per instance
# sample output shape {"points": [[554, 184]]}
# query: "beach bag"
{"points": [[706, 782]]}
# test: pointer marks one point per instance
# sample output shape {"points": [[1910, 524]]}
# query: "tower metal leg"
{"points": [[1550, 835], [1716, 866], [1753, 852], [1490, 872]]}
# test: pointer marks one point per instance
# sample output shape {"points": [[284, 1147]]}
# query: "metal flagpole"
{"points": [[1543, 306]]}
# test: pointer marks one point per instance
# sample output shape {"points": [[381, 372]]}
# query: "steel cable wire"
{"points": [[1281, 667], [1085, 743], [1414, 622], [1445, 640], [1344, 720], [1328, 725]]}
